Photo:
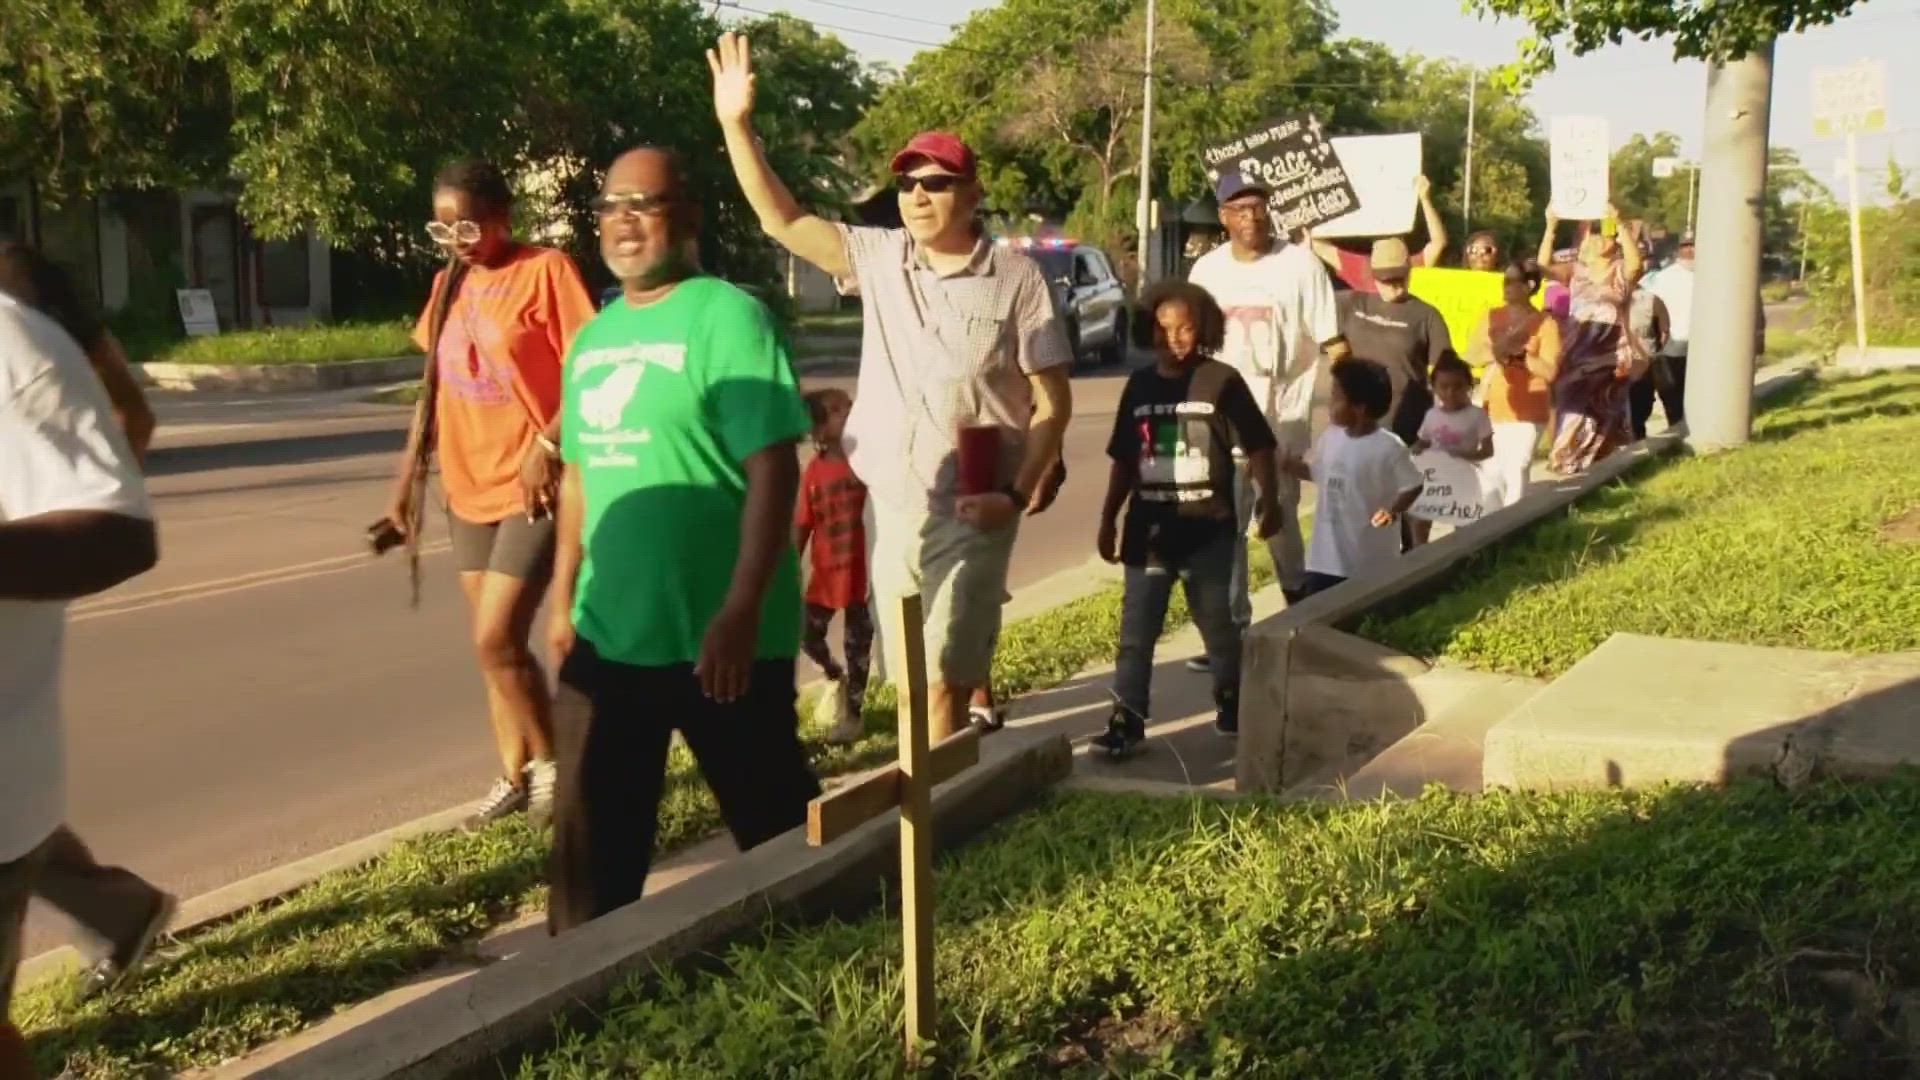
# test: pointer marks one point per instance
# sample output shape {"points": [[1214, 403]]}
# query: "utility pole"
{"points": [[1142, 214], [1473, 84], [1726, 292], [1693, 182], [1853, 235]]}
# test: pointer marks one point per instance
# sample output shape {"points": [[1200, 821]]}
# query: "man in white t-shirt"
{"points": [[1281, 316], [74, 520]]}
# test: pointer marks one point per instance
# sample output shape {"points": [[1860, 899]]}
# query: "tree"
{"points": [[1090, 100], [1660, 201], [335, 115], [1699, 29]]}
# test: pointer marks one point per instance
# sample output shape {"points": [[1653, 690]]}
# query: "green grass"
{"points": [[1794, 344], [321, 344], [1778, 543], [354, 934], [1747, 932]]}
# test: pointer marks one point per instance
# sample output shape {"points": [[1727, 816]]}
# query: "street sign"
{"points": [[1664, 167], [1577, 172], [1850, 100]]}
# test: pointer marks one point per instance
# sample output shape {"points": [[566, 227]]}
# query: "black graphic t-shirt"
{"points": [[1178, 435]]}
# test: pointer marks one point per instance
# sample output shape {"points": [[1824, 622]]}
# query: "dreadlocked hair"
{"points": [[425, 419]]}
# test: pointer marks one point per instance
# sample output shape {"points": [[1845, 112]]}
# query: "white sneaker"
{"points": [[832, 712], [504, 799]]}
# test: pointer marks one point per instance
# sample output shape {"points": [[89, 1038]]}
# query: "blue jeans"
{"points": [[1206, 576]]}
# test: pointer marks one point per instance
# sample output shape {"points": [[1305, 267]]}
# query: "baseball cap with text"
{"points": [[942, 148]]}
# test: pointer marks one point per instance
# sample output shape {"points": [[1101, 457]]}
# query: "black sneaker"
{"points": [[1293, 596], [109, 972], [988, 720], [504, 799], [1226, 714], [1124, 733], [1201, 664]]}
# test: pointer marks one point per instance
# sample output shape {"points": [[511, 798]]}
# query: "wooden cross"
{"points": [[909, 786]]}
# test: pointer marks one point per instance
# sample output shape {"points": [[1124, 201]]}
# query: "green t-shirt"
{"points": [[662, 405]]}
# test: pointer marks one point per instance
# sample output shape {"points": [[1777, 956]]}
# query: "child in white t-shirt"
{"points": [[1455, 425], [1363, 478]]}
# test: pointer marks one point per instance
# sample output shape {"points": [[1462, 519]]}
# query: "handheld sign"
{"points": [[1454, 493], [197, 314], [1578, 168], [1382, 169], [1293, 157]]}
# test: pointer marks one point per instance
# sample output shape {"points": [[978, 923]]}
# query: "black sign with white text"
{"points": [[1291, 156]]}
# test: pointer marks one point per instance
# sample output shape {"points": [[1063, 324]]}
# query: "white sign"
{"points": [[1664, 167], [1579, 167], [1455, 490], [197, 312], [1382, 169], [1850, 100]]}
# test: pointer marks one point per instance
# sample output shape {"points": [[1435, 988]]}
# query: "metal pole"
{"points": [[1726, 292], [1693, 180], [1473, 85], [1140, 214], [1802, 276], [1853, 233]]}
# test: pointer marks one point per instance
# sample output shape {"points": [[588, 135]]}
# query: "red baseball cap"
{"points": [[940, 147]]}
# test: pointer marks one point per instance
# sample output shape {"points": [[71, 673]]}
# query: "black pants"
{"points": [[1319, 583], [612, 725], [1673, 395]]}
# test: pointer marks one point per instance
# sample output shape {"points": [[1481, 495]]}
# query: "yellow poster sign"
{"points": [[1463, 297]]}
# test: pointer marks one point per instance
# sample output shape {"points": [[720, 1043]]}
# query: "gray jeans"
{"points": [[1205, 578], [1288, 546]]}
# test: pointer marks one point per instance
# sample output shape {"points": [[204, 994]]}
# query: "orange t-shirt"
{"points": [[499, 367], [1517, 391]]}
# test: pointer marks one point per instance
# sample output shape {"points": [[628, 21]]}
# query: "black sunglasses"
{"points": [[935, 183], [638, 202]]}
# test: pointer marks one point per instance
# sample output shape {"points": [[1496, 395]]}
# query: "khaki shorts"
{"points": [[17, 880], [960, 573]]}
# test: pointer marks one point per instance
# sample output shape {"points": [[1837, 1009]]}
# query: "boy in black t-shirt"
{"points": [[1172, 450]]}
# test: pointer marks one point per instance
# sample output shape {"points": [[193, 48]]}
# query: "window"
{"points": [[1085, 270]]}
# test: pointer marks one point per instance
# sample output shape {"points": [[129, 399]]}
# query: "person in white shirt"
{"points": [[1364, 480], [1674, 286], [74, 520], [1281, 315]]}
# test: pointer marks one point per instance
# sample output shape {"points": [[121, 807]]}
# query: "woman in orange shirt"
{"points": [[499, 322], [1518, 346]]}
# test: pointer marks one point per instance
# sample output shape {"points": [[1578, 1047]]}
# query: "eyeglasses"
{"points": [[935, 183], [631, 203], [1245, 209], [460, 232]]}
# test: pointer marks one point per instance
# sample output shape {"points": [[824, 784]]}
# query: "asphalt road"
{"points": [[266, 693]]}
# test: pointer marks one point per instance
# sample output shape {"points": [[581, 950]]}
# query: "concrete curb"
{"points": [[508, 1007], [333, 376], [1270, 642]]}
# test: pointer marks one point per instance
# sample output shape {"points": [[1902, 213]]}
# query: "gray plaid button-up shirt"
{"points": [[938, 353]]}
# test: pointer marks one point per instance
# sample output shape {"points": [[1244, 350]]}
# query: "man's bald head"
{"points": [[647, 219], [654, 169]]}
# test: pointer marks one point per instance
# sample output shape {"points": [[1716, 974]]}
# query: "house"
{"points": [[128, 251]]}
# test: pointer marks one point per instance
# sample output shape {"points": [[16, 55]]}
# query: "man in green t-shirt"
{"points": [[676, 591]]}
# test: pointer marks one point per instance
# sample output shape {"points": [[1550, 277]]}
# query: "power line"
{"points": [[882, 14]]}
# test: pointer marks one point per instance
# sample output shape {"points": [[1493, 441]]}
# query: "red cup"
{"points": [[979, 459]]}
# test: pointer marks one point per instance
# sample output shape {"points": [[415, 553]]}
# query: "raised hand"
{"points": [[731, 61], [1422, 187]]}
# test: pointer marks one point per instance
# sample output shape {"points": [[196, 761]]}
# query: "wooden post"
{"points": [[916, 823], [908, 785]]}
